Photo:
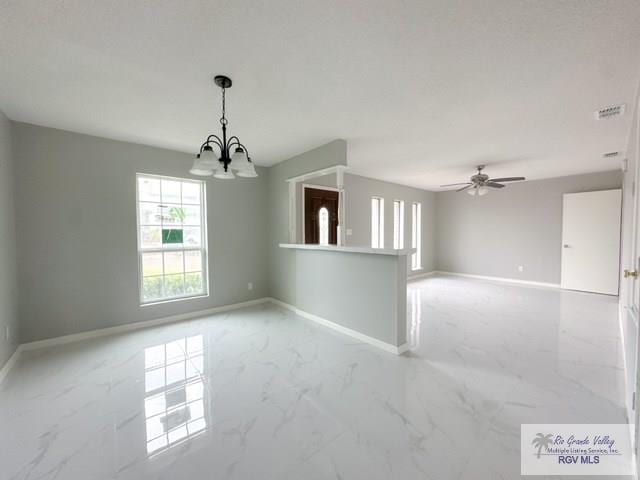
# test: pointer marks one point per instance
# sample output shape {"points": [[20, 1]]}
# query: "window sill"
{"points": [[173, 300]]}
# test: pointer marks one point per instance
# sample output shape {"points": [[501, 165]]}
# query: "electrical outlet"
{"points": [[520, 268], [349, 232], [250, 286]]}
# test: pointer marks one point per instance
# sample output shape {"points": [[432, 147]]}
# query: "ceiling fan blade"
{"points": [[507, 179], [464, 188], [454, 184], [493, 184]]}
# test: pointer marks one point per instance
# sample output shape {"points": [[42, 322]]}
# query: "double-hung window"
{"points": [[398, 224], [377, 222], [172, 246], [416, 236]]}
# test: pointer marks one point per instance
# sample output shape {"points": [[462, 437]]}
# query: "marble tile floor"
{"points": [[262, 394]]}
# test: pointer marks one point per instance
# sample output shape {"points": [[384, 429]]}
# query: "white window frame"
{"points": [[320, 233], [416, 235], [377, 207], [202, 248], [398, 224]]}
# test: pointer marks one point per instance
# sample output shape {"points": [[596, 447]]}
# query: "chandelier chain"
{"points": [[223, 119]]}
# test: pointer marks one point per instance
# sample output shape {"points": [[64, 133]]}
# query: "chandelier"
{"points": [[207, 162]]}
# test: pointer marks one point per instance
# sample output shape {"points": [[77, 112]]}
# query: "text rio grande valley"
{"points": [[585, 450]]}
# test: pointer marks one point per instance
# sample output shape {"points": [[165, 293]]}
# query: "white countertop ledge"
{"points": [[333, 248]]}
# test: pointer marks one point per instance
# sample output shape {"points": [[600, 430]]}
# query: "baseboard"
{"points": [[421, 275], [9, 364], [102, 332], [387, 347], [76, 337], [501, 279]]}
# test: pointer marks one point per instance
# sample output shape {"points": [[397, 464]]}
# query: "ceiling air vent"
{"points": [[609, 112], [611, 154]]}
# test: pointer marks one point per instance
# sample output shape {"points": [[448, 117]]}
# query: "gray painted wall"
{"points": [[519, 225], [76, 224], [282, 262], [8, 285], [307, 279], [358, 193], [376, 307]]}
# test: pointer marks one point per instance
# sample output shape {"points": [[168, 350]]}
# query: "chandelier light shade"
{"points": [[205, 162], [239, 160], [250, 172], [222, 175], [221, 156], [199, 169]]}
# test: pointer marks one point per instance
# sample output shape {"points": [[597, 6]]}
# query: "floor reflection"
{"points": [[175, 396], [415, 317]]}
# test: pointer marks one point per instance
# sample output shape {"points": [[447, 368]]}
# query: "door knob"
{"points": [[630, 273], [565, 246]]}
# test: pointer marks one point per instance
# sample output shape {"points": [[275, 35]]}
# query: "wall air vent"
{"points": [[611, 154], [610, 112]]}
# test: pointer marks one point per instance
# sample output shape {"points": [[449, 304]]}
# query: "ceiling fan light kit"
{"points": [[480, 183], [222, 166], [480, 191]]}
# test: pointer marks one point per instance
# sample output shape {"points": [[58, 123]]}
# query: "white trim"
{"points": [[501, 279], [416, 236], [292, 213], [335, 248], [293, 182], [317, 173], [421, 275], [203, 248], [138, 325], [4, 371], [341, 208], [387, 347], [401, 224], [318, 187], [381, 213], [103, 332]]}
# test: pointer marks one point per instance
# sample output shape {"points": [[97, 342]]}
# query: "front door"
{"points": [[320, 216], [591, 241]]}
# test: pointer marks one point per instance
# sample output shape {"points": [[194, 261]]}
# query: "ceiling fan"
{"points": [[480, 183]]}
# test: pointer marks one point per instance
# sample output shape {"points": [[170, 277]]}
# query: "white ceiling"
{"points": [[421, 90]]}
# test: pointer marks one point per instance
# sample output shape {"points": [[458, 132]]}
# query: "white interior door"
{"points": [[631, 307], [630, 286], [591, 241], [630, 298]]}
